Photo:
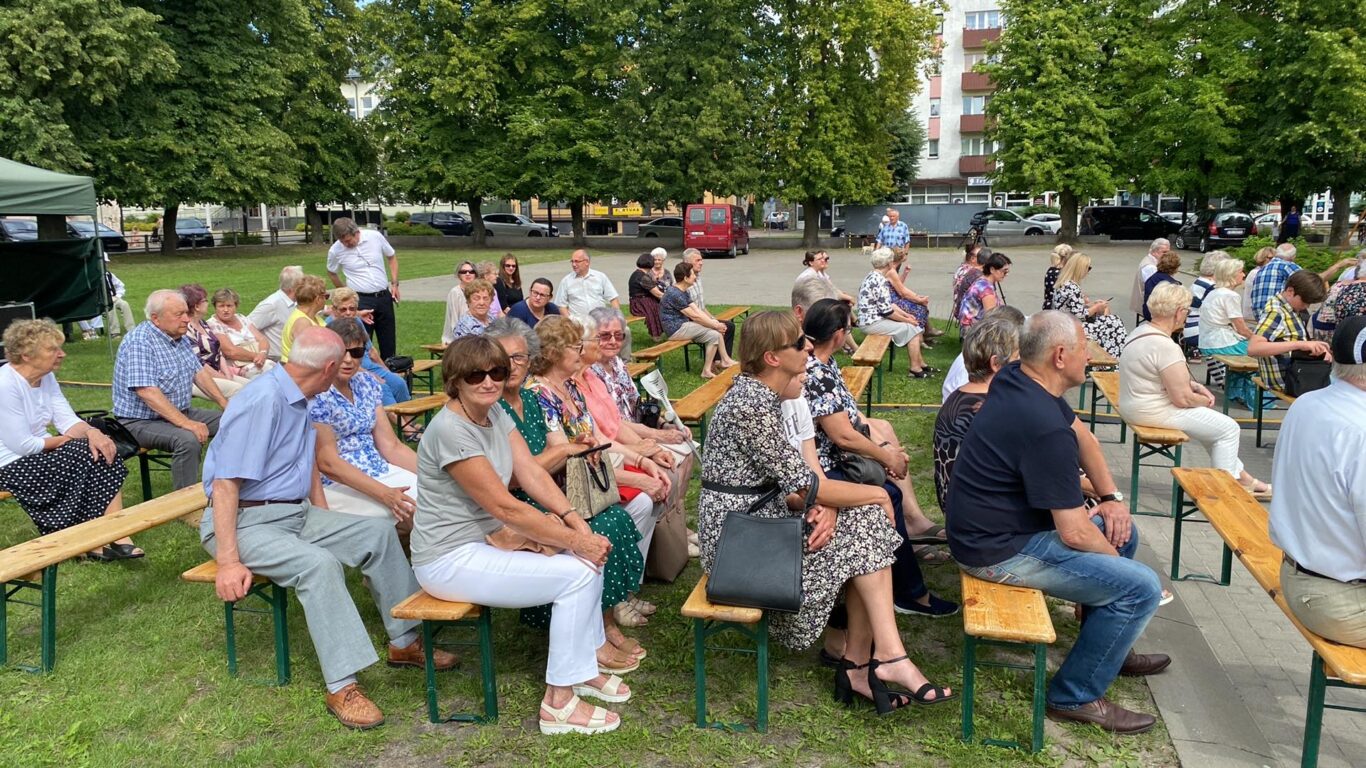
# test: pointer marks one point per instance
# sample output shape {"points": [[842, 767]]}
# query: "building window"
{"points": [[350, 105], [930, 195], [934, 107], [367, 103], [932, 148], [978, 145], [971, 60], [976, 105], [940, 17], [983, 20]]}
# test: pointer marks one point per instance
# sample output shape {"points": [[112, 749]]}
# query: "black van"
{"points": [[1125, 222]]}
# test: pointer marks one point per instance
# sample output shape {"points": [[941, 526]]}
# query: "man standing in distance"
{"points": [[894, 234], [693, 258], [361, 254], [585, 289]]}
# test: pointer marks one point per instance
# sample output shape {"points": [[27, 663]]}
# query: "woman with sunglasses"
{"points": [[366, 469], [508, 286], [470, 453], [817, 265], [1103, 328], [852, 538], [456, 305]]}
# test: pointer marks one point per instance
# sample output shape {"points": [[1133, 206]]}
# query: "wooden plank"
{"points": [[633, 319], [1238, 363], [871, 351], [1108, 384], [699, 607], [732, 313], [1242, 523], [1099, 358], [1283, 397], [5, 495], [636, 370], [421, 606], [435, 350], [856, 378], [661, 349], [418, 405], [422, 366], [58, 546], [1005, 612], [693, 406], [207, 573]]}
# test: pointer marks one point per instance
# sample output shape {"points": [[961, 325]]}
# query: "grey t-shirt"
{"points": [[446, 516]]}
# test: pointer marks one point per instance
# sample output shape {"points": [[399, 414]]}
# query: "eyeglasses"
{"points": [[356, 352], [466, 272], [499, 374], [520, 358], [540, 295], [611, 336], [576, 347], [800, 343]]}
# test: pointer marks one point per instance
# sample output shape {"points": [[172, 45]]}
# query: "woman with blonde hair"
{"points": [[1105, 329], [1061, 253], [310, 296], [479, 313]]}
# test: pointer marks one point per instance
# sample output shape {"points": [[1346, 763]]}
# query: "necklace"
{"points": [[488, 420]]}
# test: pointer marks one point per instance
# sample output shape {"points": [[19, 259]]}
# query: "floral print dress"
{"points": [[1106, 330], [746, 448], [353, 421], [623, 390]]}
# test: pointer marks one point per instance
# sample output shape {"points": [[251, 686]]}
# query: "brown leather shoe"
{"points": [[1107, 715], [1140, 664], [353, 709], [412, 657]]}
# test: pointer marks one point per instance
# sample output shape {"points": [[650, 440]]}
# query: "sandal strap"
{"points": [[920, 692], [902, 657], [561, 715]]}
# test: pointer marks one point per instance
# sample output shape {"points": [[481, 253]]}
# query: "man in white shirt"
{"points": [[361, 254], [270, 315], [1318, 512], [693, 257], [1146, 267], [585, 289]]}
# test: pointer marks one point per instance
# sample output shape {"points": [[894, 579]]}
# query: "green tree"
{"points": [[63, 64], [840, 75], [908, 142]]}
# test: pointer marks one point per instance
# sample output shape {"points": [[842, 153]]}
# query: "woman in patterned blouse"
{"points": [[986, 292], [878, 314]]}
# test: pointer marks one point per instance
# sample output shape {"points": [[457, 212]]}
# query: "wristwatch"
{"points": [[1116, 496]]}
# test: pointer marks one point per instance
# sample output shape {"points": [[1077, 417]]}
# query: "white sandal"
{"points": [[597, 722], [627, 616], [610, 692], [643, 607]]}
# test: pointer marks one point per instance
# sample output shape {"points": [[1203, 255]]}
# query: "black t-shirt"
{"points": [[640, 284], [508, 295], [1018, 462]]}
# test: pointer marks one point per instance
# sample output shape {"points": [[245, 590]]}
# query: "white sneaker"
{"points": [[694, 550]]}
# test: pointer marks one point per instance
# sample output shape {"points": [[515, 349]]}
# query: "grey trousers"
{"points": [[305, 549], [181, 443]]}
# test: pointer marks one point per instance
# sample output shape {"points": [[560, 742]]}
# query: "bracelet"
{"points": [[564, 514], [884, 443]]}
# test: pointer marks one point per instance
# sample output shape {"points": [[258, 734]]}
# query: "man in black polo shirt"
{"points": [[1016, 515]]}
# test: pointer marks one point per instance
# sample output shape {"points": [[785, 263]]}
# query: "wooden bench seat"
{"points": [[1236, 365], [430, 370], [437, 614], [435, 350], [411, 411], [1242, 523], [275, 597], [652, 354], [636, 370], [693, 407], [710, 619], [870, 353], [857, 378], [1148, 442], [728, 315], [1008, 616], [1259, 411], [633, 319], [1096, 359], [33, 564]]}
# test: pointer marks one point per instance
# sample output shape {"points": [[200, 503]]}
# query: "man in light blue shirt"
{"points": [[1318, 512], [268, 517], [893, 234]]}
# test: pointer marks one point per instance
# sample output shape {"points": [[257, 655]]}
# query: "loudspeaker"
{"points": [[8, 314]]}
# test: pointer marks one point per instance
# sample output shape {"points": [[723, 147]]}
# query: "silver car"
{"points": [[1002, 221], [517, 225]]}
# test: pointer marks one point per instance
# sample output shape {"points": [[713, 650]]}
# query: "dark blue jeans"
{"points": [[1119, 596], [908, 583]]}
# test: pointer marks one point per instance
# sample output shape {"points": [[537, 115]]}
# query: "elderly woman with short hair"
{"points": [[205, 342], [486, 271], [346, 306], [646, 291], [1190, 334], [59, 480], [479, 308], [878, 314], [1167, 266], [1103, 328], [1157, 390], [683, 319], [1224, 330], [310, 296], [986, 292], [238, 340]]}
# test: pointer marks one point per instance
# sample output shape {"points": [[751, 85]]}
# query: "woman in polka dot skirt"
{"points": [[60, 480]]}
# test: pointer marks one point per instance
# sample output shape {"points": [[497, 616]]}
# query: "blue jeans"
{"points": [[1119, 595], [908, 583], [395, 389]]}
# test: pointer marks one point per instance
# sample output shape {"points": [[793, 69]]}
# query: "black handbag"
{"points": [[399, 364], [758, 560], [124, 443], [861, 469], [1305, 373]]}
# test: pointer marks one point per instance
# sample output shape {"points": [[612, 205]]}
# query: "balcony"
{"points": [[975, 165], [978, 38], [972, 124], [977, 81]]}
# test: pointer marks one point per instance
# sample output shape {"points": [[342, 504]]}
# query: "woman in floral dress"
{"points": [[1103, 328]]}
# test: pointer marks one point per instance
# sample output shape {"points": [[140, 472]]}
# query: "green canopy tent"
{"points": [[63, 278]]}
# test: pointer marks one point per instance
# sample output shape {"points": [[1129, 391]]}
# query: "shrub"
{"points": [[301, 227], [403, 228], [1312, 257], [131, 224], [240, 238], [401, 217]]}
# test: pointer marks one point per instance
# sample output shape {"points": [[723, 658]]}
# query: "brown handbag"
{"points": [[669, 547]]}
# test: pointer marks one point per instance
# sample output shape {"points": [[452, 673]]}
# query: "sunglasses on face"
{"points": [[800, 343], [612, 336], [499, 374], [356, 352], [509, 266], [466, 272]]}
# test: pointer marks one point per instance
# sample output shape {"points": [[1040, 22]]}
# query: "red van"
{"points": [[716, 228]]}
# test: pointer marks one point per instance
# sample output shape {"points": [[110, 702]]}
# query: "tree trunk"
{"points": [[168, 233], [480, 235], [1342, 211], [313, 222], [576, 213], [1067, 209], [811, 225]]}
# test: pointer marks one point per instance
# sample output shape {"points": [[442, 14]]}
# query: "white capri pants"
{"points": [[485, 575], [901, 333], [1212, 429], [694, 332], [344, 498]]}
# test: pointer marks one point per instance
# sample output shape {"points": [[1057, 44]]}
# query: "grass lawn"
{"points": [[141, 678]]}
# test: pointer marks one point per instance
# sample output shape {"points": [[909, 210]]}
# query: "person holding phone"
{"points": [[1105, 329]]}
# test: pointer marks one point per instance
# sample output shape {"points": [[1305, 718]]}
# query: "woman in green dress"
{"points": [[552, 449]]}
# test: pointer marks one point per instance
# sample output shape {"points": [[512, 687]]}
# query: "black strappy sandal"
{"points": [[886, 699], [921, 695]]}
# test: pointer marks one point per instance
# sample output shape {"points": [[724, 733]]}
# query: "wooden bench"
{"points": [[1259, 410], [693, 407], [1242, 523], [870, 353], [436, 615], [434, 350], [729, 315], [1004, 616], [633, 319], [33, 563], [1236, 365], [274, 596], [428, 370], [710, 619], [653, 354], [636, 370], [1148, 442], [857, 378], [1096, 359], [409, 412]]}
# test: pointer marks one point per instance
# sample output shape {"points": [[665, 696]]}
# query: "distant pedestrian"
{"points": [[361, 255]]}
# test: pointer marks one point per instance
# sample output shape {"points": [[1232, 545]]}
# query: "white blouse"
{"points": [[26, 411]]}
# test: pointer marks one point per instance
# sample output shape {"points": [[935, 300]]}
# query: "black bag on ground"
{"points": [[1304, 373], [124, 443], [759, 559]]}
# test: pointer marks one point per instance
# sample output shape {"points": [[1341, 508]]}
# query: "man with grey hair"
{"points": [[1146, 267], [1271, 278], [270, 315], [1318, 514], [693, 258], [154, 372], [268, 517], [1016, 515], [361, 255]]}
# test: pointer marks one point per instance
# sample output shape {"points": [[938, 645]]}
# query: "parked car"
{"points": [[517, 225], [1208, 230], [664, 226], [192, 232], [451, 223], [1267, 225], [716, 228], [15, 230], [1125, 222], [778, 219], [113, 241], [1175, 217], [1051, 221], [1002, 221]]}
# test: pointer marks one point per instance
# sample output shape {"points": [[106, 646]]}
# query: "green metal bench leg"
{"points": [[488, 683], [699, 667], [486, 673], [1313, 716], [47, 613], [279, 603], [429, 668], [759, 635], [230, 633], [687, 359], [1133, 480], [969, 681], [761, 660], [877, 374], [4, 624], [1040, 670]]}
